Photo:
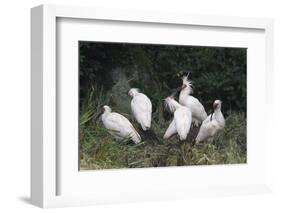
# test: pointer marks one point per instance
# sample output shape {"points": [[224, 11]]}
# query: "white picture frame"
{"points": [[44, 150]]}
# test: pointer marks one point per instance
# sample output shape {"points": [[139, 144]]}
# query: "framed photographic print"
{"points": [[130, 106]]}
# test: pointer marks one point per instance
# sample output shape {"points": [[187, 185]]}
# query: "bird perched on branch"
{"points": [[212, 124], [119, 126], [182, 119], [193, 104]]}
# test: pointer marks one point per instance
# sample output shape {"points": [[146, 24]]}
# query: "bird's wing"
{"points": [[142, 108], [207, 129], [208, 119], [132, 132], [121, 126], [195, 107], [183, 119], [171, 130], [114, 124]]}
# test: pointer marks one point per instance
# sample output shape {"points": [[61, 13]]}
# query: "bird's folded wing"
{"points": [[171, 130], [182, 121], [207, 130], [142, 108], [197, 107], [120, 124]]}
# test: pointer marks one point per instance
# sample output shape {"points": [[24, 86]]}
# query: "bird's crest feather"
{"points": [[170, 104], [187, 83]]}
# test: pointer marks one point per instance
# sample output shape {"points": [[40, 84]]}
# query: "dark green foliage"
{"points": [[108, 70], [217, 73]]}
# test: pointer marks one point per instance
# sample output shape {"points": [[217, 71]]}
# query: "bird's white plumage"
{"points": [[181, 122], [171, 130], [193, 104], [212, 124], [207, 129], [119, 126], [141, 108]]}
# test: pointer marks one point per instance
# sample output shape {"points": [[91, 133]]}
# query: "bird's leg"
{"points": [[193, 142], [179, 155], [189, 153], [186, 153]]}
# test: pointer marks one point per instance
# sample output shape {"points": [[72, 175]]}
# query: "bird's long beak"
{"points": [[212, 115], [99, 114]]}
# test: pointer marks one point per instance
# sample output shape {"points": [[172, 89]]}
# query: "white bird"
{"points": [[212, 124], [182, 119], [198, 112], [141, 108], [119, 126]]}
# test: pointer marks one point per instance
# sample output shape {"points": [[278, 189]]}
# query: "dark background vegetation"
{"points": [[217, 73], [108, 70]]}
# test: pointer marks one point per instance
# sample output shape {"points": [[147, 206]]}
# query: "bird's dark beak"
{"points": [[100, 113], [212, 115], [179, 89]]}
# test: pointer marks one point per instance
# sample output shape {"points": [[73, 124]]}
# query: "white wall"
{"points": [[15, 98]]}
